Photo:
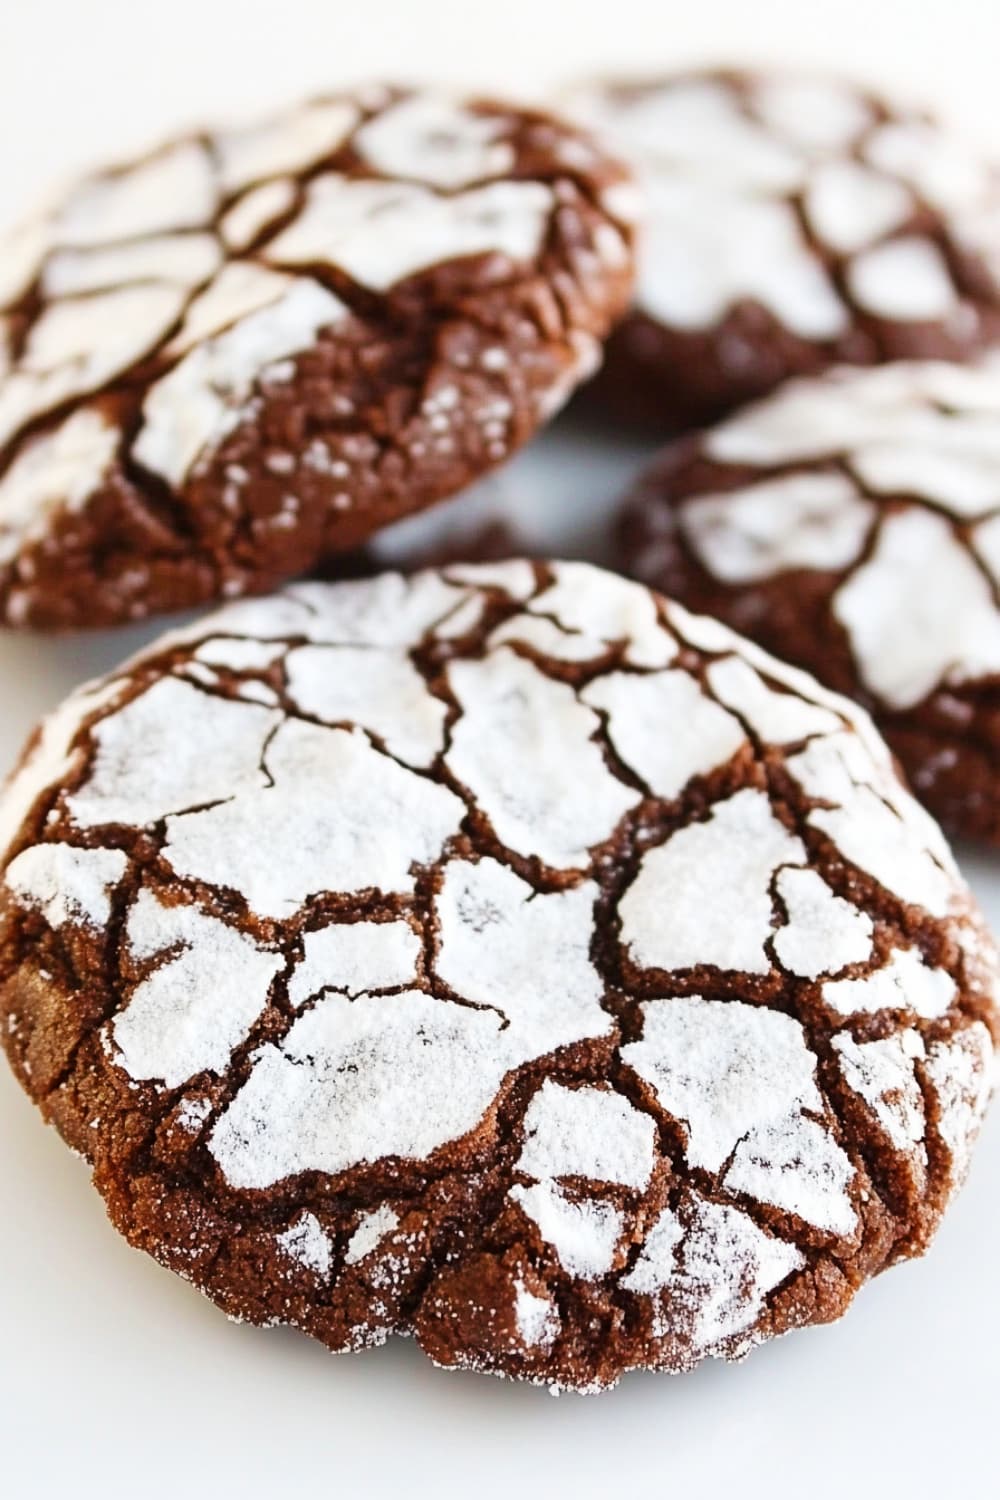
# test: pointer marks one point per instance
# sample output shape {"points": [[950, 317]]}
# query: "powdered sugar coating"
{"points": [[355, 957], [192, 409], [59, 469], [306, 1243], [740, 1079], [822, 928], [584, 621], [586, 1132], [908, 279], [780, 718], [51, 758], [716, 879], [521, 739], [371, 1231], [881, 1072], [664, 727], [173, 1027], [907, 982], [382, 232], [847, 203], [963, 1072], [132, 782], [335, 815], [67, 884], [285, 144], [348, 1086], [390, 1036], [797, 521], [874, 824], [919, 612], [584, 1235], [521, 952], [435, 139], [381, 691], [537, 1317], [713, 1272]]}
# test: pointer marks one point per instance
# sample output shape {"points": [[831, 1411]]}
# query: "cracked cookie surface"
{"points": [[793, 222], [248, 350], [500, 955], [851, 524]]}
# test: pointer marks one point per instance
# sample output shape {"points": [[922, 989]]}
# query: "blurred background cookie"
{"points": [[793, 222], [851, 524], [249, 350]]}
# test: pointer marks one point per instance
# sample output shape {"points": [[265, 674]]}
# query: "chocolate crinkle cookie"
{"points": [[500, 955], [793, 222], [250, 349], [851, 524]]}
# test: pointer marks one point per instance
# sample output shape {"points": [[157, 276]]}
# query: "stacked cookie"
{"points": [[503, 954]]}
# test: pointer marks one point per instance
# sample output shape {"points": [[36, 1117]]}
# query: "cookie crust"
{"points": [[502, 956]]}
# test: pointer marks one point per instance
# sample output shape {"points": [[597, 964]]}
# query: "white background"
{"points": [[115, 1378]]}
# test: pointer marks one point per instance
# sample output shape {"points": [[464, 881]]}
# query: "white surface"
{"points": [[115, 1378]]}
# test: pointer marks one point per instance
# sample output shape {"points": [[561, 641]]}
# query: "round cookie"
{"points": [[793, 222], [500, 955], [851, 524], [250, 349]]}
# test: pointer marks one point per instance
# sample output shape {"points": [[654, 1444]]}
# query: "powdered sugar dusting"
{"points": [[823, 933], [664, 727], [382, 691], [348, 1085], [335, 815], [287, 143], [715, 878], [778, 718], [355, 957], [905, 983], [382, 232], [435, 139], [777, 525], [919, 612], [56, 471], [713, 1271], [189, 283], [67, 884], [603, 611], [201, 400], [372, 1228], [962, 1070], [886, 465], [586, 1132], [537, 1317], [52, 759], [881, 1072], [526, 953], [133, 782], [873, 822], [907, 279], [584, 1235], [306, 1243], [173, 1026], [523, 743], [740, 1079]]}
